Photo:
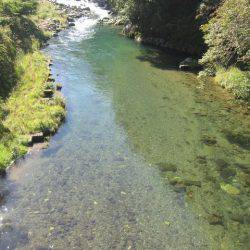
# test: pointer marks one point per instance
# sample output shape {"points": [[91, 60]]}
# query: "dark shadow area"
{"points": [[241, 139], [24, 31], [166, 60]]}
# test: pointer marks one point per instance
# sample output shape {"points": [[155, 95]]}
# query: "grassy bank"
{"points": [[25, 76]]}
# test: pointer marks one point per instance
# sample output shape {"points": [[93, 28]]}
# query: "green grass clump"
{"points": [[26, 110], [24, 27], [235, 80]]}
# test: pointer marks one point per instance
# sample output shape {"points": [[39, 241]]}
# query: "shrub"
{"points": [[226, 35], [17, 7], [234, 80]]}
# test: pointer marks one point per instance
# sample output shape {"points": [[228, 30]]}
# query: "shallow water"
{"points": [[100, 184]]}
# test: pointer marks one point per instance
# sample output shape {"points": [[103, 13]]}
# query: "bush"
{"points": [[234, 80], [226, 35], [172, 20], [17, 7]]}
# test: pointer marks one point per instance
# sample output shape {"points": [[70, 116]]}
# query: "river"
{"points": [[148, 157]]}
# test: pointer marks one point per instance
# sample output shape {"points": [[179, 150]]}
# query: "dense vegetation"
{"points": [[216, 30], [24, 73]]}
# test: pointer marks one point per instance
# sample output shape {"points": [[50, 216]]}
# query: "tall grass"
{"points": [[26, 110]]}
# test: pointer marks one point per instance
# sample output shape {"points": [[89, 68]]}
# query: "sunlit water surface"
{"points": [[98, 185]]}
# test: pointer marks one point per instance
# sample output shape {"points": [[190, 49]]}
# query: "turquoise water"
{"points": [[143, 161]]}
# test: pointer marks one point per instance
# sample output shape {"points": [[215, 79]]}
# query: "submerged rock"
{"points": [[227, 173], [242, 139], [2, 172], [243, 167], [209, 141], [215, 219], [201, 159], [243, 218], [185, 182], [221, 164], [165, 167], [70, 19]]}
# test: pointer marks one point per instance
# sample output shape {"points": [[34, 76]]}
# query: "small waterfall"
{"points": [[84, 27]]}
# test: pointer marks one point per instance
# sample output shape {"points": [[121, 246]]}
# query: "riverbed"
{"points": [[148, 157]]}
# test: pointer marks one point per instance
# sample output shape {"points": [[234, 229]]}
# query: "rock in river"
{"points": [[189, 64]]}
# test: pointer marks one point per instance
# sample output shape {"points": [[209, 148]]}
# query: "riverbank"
{"points": [[213, 33], [32, 107]]}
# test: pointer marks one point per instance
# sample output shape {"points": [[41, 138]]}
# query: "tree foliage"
{"points": [[227, 35], [172, 20]]}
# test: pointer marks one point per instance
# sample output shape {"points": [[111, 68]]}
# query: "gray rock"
{"points": [[167, 167], [189, 64], [48, 93], [2, 172], [37, 138]]}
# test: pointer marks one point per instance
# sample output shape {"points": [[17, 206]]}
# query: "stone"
{"points": [[227, 173], [209, 141], [177, 181], [240, 138], [2, 172], [189, 64], [37, 138], [192, 183], [201, 159], [243, 218], [230, 189], [48, 93], [50, 79], [243, 167], [165, 167], [6, 228], [215, 219], [221, 164], [138, 39], [58, 86], [70, 19], [86, 9]]}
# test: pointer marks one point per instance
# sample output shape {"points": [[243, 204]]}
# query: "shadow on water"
{"points": [[160, 59]]}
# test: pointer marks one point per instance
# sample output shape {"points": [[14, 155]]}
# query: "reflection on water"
{"points": [[142, 144]]}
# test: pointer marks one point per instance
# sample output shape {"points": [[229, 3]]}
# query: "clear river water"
{"points": [[148, 157]]}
